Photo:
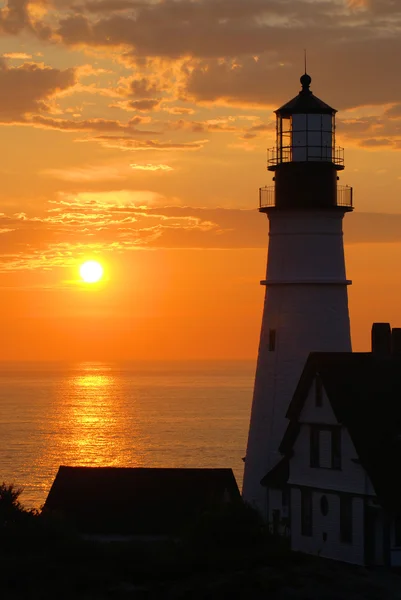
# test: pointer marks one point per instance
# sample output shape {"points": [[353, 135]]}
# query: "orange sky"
{"points": [[135, 132]]}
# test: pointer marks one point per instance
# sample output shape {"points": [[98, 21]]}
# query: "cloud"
{"points": [[204, 28], [371, 132], [234, 50], [142, 93], [376, 143], [126, 143], [243, 51], [143, 105], [89, 173], [72, 226], [93, 125], [122, 221], [143, 87], [394, 112], [30, 87], [222, 124], [17, 55], [178, 110], [19, 15], [150, 167], [228, 52], [104, 6], [15, 16]]}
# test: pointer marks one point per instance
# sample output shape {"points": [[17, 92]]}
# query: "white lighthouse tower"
{"points": [[306, 301]]}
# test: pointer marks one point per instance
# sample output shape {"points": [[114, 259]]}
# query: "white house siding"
{"points": [[350, 478], [330, 525]]}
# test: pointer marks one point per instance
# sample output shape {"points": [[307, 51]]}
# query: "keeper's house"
{"points": [[337, 490]]}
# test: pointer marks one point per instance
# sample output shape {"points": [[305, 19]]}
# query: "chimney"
{"points": [[396, 341], [381, 338]]}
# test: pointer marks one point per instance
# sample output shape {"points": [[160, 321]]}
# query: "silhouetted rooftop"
{"points": [[137, 500]]}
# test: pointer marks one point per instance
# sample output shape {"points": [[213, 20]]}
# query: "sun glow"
{"points": [[91, 271]]}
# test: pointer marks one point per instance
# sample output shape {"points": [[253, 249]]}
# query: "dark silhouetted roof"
{"points": [[305, 103], [277, 477], [137, 500], [364, 390]]}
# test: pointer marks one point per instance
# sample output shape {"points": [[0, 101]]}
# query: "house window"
{"points": [[276, 522], [336, 448], [285, 498], [318, 391], [272, 340], [324, 506], [314, 446], [397, 530], [306, 512], [346, 519], [325, 447]]}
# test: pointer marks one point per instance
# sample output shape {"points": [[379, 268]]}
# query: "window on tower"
{"points": [[272, 340]]}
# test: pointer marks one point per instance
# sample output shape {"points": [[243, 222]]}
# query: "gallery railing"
{"points": [[267, 196]]}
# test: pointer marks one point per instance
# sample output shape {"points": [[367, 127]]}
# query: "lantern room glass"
{"points": [[305, 137]]}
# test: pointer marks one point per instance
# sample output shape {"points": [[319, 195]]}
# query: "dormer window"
{"points": [[318, 391], [325, 447]]}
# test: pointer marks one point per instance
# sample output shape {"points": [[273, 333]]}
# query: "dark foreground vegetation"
{"points": [[226, 554]]}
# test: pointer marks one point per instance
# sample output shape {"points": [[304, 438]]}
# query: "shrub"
{"points": [[233, 524], [11, 509]]}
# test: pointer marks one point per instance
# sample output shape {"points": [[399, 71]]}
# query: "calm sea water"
{"points": [[130, 414]]}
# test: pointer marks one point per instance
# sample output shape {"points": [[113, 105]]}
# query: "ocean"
{"points": [[162, 414]]}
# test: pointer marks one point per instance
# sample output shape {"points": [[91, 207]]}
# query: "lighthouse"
{"points": [[306, 299]]}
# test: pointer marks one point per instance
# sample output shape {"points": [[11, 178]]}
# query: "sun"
{"points": [[91, 271]]}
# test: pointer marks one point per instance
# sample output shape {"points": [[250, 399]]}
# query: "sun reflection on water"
{"points": [[93, 381], [92, 416], [103, 414], [94, 427]]}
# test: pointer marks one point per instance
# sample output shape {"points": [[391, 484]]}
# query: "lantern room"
{"points": [[305, 159], [305, 131]]}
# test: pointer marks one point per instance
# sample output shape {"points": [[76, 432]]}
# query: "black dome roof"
{"points": [[305, 102]]}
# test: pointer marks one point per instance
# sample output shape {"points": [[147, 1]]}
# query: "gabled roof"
{"points": [[277, 477], [364, 390], [137, 500]]}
